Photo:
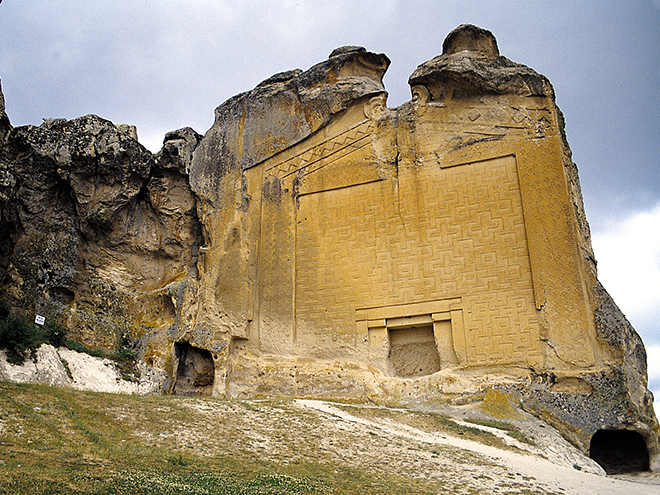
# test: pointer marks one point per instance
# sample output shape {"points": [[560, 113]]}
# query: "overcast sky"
{"points": [[163, 65]]}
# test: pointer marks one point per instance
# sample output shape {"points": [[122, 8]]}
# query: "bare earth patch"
{"points": [[67, 441]]}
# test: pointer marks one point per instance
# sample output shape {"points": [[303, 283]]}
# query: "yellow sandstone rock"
{"points": [[384, 253], [316, 243], [437, 235]]}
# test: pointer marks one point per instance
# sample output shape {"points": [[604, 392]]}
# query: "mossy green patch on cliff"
{"points": [[499, 403], [46, 266]]}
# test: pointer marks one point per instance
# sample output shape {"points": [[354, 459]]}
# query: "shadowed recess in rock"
{"points": [[619, 451], [195, 371]]}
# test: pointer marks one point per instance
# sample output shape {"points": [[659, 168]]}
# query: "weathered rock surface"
{"points": [[282, 111], [7, 183], [5, 125], [66, 368], [100, 233], [471, 64], [317, 243]]}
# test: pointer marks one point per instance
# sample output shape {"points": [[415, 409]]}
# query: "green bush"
{"points": [[55, 334], [4, 310], [20, 338]]}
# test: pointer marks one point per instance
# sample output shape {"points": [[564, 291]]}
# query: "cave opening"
{"points": [[619, 451], [195, 370]]}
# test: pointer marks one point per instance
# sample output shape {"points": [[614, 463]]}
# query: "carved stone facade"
{"points": [[390, 254], [327, 245], [450, 213]]}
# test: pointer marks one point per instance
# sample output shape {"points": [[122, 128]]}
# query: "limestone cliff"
{"points": [[316, 243], [100, 234]]}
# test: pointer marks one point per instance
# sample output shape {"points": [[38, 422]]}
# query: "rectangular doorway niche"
{"points": [[413, 351], [413, 340], [195, 370]]}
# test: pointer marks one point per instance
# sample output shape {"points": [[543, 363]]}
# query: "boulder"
{"points": [[471, 64]]}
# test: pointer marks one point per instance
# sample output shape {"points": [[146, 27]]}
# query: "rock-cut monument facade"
{"points": [[316, 243]]}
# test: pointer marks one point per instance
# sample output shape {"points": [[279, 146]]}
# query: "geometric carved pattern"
{"points": [[309, 159], [456, 232]]}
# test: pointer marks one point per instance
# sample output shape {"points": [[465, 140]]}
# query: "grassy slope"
{"points": [[55, 440]]}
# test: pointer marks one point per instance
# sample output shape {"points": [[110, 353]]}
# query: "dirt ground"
{"points": [[498, 464], [475, 459]]}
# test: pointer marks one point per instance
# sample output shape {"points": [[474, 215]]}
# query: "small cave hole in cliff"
{"points": [[195, 371], [165, 307], [62, 294], [413, 351], [619, 451]]}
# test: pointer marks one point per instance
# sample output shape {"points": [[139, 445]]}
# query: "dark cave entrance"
{"points": [[195, 370], [619, 451]]}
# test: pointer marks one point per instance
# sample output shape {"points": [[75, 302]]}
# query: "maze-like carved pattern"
{"points": [[456, 232]]}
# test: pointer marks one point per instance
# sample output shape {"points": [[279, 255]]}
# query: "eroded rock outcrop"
{"points": [[317, 243], [5, 125], [7, 183], [66, 368], [102, 233]]}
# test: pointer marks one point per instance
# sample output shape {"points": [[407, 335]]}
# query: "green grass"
{"points": [[58, 440], [511, 430]]}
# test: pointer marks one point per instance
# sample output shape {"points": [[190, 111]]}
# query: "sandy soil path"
{"points": [[549, 476]]}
